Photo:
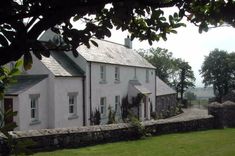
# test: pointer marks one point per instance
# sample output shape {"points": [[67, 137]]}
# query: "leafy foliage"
{"points": [[173, 71], [186, 77], [111, 116], [22, 22], [96, 117], [190, 96], [7, 76], [162, 59], [218, 69]]}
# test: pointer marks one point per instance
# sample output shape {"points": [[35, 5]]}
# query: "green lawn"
{"points": [[204, 143], [199, 103]]}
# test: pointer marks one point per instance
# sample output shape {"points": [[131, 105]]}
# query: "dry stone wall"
{"points": [[49, 139], [224, 113]]}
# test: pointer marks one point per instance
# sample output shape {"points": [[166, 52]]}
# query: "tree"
{"points": [[174, 71], [23, 21], [163, 61], [218, 70], [190, 96], [186, 77]]}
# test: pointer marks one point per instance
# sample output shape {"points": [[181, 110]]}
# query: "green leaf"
{"points": [[18, 63], [94, 43], [14, 71], [28, 61], [76, 18], [173, 31]]}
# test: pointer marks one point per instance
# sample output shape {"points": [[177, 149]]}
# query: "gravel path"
{"points": [[191, 113]]}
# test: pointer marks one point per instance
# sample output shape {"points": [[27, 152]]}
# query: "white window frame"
{"points": [[117, 103], [103, 73], [72, 96], [34, 107], [147, 75], [103, 101], [117, 74]]}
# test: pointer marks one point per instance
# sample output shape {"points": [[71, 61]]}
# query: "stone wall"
{"points": [[49, 139], [166, 106], [224, 113]]}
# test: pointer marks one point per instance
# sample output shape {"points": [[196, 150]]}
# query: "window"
{"points": [[117, 74], [117, 103], [135, 77], [147, 75], [103, 106], [103, 73], [72, 104], [34, 107]]}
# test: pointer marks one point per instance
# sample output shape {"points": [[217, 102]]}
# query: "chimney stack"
{"points": [[128, 42]]}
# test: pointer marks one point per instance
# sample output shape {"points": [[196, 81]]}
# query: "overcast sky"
{"points": [[188, 44]]}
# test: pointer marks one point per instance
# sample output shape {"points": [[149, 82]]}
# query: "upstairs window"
{"points": [[117, 74], [103, 73], [147, 76]]}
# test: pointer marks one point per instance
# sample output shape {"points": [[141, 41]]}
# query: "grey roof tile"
{"points": [[23, 83], [61, 65], [139, 87], [162, 88], [113, 53]]}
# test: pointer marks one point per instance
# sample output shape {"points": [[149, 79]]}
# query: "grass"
{"points": [[200, 103], [204, 143]]}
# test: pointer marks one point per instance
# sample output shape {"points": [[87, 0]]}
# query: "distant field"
{"points": [[200, 103], [204, 143]]}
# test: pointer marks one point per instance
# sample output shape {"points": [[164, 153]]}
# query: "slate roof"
{"points": [[113, 53], [139, 87], [162, 88], [61, 65], [23, 83]]}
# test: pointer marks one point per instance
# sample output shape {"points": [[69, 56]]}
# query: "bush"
{"points": [[111, 116]]}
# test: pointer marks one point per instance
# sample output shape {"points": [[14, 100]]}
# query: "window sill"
{"points": [[103, 82], [71, 117], [117, 81], [35, 122]]}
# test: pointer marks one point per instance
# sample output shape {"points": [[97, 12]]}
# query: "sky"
{"points": [[188, 44]]}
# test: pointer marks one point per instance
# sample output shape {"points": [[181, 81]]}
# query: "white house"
{"points": [[67, 90]]}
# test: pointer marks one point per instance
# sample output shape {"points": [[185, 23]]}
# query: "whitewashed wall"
{"points": [[63, 86], [23, 103], [112, 89], [39, 68]]}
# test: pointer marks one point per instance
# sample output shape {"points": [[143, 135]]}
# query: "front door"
{"points": [[8, 106]]}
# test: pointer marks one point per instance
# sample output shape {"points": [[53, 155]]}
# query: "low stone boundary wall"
{"points": [[224, 113], [48, 139]]}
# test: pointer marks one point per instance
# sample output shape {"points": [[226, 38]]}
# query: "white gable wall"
{"points": [[39, 68], [24, 118], [64, 86]]}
